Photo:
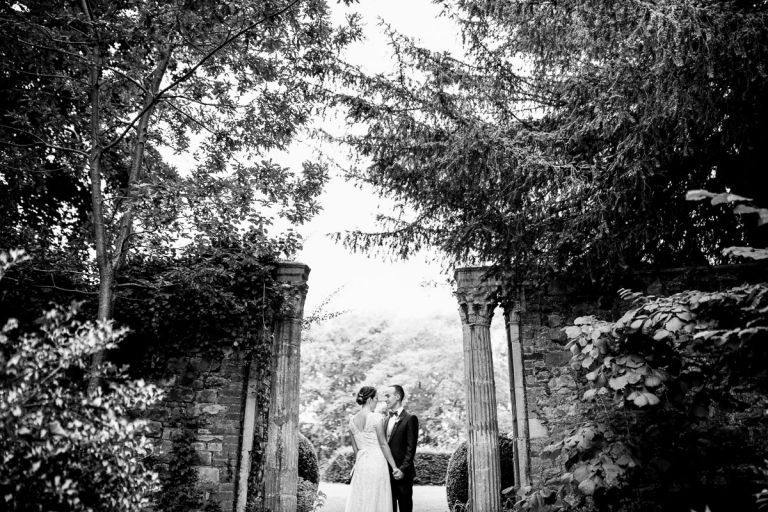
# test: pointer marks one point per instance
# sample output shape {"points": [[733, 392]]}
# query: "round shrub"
{"points": [[457, 480], [340, 466], [308, 468]]}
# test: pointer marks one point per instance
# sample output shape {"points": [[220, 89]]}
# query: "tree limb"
{"points": [[194, 69]]}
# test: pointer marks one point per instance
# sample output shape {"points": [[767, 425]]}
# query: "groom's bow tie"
{"points": [[392, 413]]}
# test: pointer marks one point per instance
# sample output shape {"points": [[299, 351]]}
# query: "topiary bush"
{"points": [[308, 467], [309, 476], [456, 477], [339, 467], [431, 467]]}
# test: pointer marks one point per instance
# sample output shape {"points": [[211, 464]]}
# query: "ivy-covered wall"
{"points": [[204, 403], [200, 335], [553, 395]]}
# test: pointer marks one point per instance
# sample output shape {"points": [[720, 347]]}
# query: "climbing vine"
{"points": [[676, 392]]}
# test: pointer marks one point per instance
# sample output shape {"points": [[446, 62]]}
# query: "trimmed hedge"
{"points": [[457, 479], [431, 467], [308, 468]]}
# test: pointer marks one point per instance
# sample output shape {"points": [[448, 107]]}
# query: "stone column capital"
{"points": [[477, 294], [292, 272], [294, 275]]}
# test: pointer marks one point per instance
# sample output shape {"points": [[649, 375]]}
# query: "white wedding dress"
{"points": [[370, 489]]}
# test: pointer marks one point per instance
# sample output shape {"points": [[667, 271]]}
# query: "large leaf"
{"points": [[618, 383], [698, 195], [588, 486], [727, 197], [746, 252], [573, 331]]}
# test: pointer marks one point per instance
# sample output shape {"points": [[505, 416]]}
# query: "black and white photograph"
{"points": [[384, 256]]}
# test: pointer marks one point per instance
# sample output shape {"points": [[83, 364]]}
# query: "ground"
{"points": [[426, 498]]}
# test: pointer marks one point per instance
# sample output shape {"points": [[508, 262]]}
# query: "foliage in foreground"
{"points": [[677, 390], [63, 447]]}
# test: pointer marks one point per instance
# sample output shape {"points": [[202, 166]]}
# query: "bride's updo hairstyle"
{"points": [[364, 394]]}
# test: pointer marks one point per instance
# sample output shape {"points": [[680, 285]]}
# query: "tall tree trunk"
{"points": [[106, 274], [137, 158], [108, 263]]}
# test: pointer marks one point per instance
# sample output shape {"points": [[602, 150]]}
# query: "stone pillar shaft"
{"points": [[248, 431], [281, 456], [476, 304], [519, 403], [509, 322]]}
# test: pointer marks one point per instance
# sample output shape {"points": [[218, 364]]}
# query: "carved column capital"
{"points": [[294, 275], [477, 294]]}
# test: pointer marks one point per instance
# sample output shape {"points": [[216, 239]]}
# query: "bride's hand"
{"points": [[397, 474]]}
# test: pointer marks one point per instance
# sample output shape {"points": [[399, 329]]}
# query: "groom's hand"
{"points": [[397, 474]]}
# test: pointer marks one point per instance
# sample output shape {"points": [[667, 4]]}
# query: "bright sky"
{"points": [[373, 285]]}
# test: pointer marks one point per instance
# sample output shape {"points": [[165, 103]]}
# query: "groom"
{"points": [[402, 430]]}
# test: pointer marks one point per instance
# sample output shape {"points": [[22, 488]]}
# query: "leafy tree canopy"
{"points": [[120, 86], [566, 140]]}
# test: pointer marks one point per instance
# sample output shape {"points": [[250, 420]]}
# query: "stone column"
{"points": [[281, 457], [519, 404], [477, 299], [248, 430]]}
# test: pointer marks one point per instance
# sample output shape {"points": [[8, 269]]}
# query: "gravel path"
{"points": [[426, 498]]}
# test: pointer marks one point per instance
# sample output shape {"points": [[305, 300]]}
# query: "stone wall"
{"points": [[204, 397], [553, 394]]}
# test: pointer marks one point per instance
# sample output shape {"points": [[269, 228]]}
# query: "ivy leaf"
{"points": [[588, 486], [573, 331], [727, 197], [652, 381], [581, 473], [638, 398], [698, 195], [612, 473], [746, 252], [674, 325], [618, 383], [651, 398]]}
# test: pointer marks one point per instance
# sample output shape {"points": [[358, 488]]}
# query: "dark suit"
{"points": [[402, 444]]}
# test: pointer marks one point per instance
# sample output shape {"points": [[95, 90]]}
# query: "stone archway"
{"points": [[478, 296]]}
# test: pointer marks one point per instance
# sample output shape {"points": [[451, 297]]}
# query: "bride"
{"points": [[370, 490]]}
